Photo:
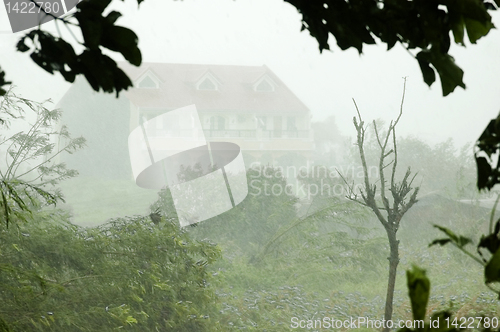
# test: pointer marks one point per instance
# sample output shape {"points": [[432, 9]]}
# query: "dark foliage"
{"points": [[99, 32], [488, 146], [418, 25]]}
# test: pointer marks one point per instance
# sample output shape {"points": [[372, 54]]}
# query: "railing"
{"points": [[285, 134], [233, 133], [185, 133]]}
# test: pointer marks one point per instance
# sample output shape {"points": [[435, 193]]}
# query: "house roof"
{"points": [[235, 88]]}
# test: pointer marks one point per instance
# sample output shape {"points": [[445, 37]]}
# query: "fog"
{"points": [[268, 32], [296, 238]]}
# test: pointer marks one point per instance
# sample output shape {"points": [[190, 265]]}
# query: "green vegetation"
{"points": [[30, 160], [325, 263], [274, 257], [128, 274], [93, 201]]}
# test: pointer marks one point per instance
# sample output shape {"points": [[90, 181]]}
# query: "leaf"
{"points": [[21, 45], [2, 83], [491, 242], [5, 207], [492, 269], [91, 24], [3, 326], [477, 29], [102, 72], [427, 71], [441, 242], [457, 26], [125, 41], [419, 289], [53, 54], [448, 232], [113, 16], [484, 172], [450, 74], [463, 241]]}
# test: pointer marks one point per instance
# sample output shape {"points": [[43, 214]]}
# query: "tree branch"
{"points": [[370, 190]]}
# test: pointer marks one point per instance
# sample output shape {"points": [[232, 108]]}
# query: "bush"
{"points": [[129, 274]]}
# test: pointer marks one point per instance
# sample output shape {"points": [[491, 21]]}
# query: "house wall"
{"points": [[247, 121], [104, 121]]}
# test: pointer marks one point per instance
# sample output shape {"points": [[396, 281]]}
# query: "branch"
{"points": [[395, 156], [360, 140], [78, 278], [385, 201], [370, 191], [394, 133], [72, 142], [352, 195]]}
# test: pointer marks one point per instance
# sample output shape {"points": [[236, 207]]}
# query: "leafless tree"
{"points": [[389, 210]]}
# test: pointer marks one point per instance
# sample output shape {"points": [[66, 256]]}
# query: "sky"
{"points": [[257, 32]]}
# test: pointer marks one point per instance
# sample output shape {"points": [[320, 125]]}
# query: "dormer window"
{"points": [[148, 81], [208, 82], [264, 84]]}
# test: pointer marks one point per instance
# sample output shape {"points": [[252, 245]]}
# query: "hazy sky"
{"points": [[256, 32]]}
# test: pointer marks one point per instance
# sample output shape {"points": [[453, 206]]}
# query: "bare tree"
{"points": [[389, 211]]}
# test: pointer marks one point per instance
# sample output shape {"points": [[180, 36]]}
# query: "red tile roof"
{"points": [[235, 92]]}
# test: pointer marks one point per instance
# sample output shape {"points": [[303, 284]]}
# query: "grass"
{"points": [[92, 201], [266, 296]]}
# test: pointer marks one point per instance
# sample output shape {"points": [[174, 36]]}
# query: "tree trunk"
{"points": [[393, 266]]}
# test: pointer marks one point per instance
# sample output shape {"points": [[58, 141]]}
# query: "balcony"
{"points": [[234, 133], [258, 134], [251, 134]]}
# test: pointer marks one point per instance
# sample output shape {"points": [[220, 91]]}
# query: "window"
{"points": [[264, 86], [290, 123], [217, 123], [148, 83], [207, 84], [261, 122]]}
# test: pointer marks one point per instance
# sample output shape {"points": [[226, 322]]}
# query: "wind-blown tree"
{"points": [[328, 239], [127, 274], [389, 210], [270, 204], [31, 161]]}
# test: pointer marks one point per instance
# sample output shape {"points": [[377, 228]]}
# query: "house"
{"points": [[246, 105]]}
